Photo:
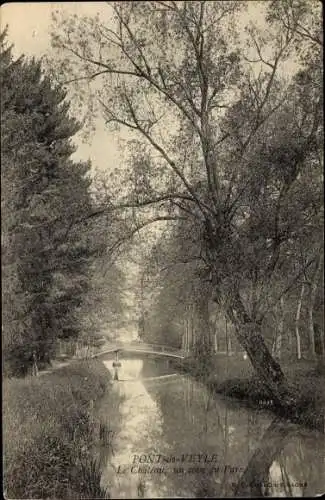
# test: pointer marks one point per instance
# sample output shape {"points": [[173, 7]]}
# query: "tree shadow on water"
{"points": [[256, 480]]}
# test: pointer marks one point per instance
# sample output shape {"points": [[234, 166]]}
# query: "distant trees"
{"points": [[46, 248], [220, 138], [179, 307], [102, 311], [178, 281]]}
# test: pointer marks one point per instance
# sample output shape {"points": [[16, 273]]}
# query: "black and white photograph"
{"points": [[162, 224]]}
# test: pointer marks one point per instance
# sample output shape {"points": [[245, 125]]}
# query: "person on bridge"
{"points": [[34, 366], [141, 489]]}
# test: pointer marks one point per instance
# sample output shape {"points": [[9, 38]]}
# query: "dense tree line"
{"points": [[177, 281], [179, 307], [48, 251], [222, 139], [177, 290]]}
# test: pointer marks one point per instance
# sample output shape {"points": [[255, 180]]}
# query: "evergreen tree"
{"points": [[45, 253]]}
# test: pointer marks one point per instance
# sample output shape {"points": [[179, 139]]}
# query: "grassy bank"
{"points": [[50, 428], [234, 377]]}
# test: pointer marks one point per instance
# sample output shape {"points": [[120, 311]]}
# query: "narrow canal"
{"points": [[175, 439]]}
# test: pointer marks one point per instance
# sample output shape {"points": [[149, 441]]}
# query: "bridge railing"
{"points": [[154, 347], [141, 346]]}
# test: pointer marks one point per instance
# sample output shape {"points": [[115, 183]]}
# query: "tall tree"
{"points": [[45, 194]]}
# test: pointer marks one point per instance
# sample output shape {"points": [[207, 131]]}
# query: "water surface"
{"points": [[176, 439]]}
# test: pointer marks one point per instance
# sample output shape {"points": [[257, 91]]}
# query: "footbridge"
{"points": [[155, 349]]}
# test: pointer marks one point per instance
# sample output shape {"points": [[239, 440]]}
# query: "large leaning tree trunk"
{"points": [[250, 337]]}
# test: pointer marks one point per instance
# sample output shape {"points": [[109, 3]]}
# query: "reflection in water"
{"points": [[125, 475], [261, 470], [179, 440], [288, 461]]}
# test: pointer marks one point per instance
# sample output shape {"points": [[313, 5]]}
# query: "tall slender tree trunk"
{"points": [[322, 342], [275, 335], [289, 338], [188, 331], [298, 312], [277, 346], [229, 348], [190, 328], [311, 303], [204, 340], [216, 344], [193, 336], [226, 339], [184, 333], [215, 335], [184, 344], [311, 332]]}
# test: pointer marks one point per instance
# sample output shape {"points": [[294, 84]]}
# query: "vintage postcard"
{"points": [[162, 249]]}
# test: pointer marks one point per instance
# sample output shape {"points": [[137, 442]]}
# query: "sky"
{"points": [[29, 28]]}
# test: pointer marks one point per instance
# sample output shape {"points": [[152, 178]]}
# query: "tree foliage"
{"points": [[220, 136], [47, 249]]}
